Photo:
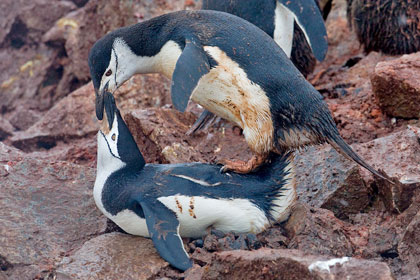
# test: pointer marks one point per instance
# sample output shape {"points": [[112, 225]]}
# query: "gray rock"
{"points": [[113, 256]]}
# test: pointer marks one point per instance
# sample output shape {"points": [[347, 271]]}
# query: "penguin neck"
{"points": [[148, 48]]}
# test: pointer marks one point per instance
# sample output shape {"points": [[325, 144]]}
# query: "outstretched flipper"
{"points": [[309, 19], [190, 67], [163, 227]]}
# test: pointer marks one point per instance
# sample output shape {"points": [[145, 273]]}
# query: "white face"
{"points": [[108, 156], [123, 65]]}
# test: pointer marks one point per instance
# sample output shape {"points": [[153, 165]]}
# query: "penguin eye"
{"points": [[108, 73], [113, 137]]}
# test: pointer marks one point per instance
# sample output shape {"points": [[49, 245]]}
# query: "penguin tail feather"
{"points": [[340, 145]]}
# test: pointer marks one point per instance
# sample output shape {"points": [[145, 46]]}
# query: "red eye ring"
{"points": [[108, 73]]}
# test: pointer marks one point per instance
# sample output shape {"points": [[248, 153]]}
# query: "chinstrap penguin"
{"points": [[284, 21], [167, 201], [231, 68]]}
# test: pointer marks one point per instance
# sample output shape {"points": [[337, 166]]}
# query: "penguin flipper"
{"points": [[310, 20], [190, 67], [163, 227]]}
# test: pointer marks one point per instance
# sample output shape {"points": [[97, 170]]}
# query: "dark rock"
{"points": [[327, 179], [397, 87], [47, 209], [253, 242], [272, 237], [290, 264], [113, 256]]}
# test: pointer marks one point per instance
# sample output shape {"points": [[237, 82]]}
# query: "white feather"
{"points": [[283, 28]]}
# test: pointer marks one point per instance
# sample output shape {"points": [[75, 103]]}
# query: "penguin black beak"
{"points": [[108, 102], [99, 102]]}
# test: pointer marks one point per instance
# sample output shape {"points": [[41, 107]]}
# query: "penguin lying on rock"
{"points": [[230, 67], [167, 201], [284, 21]]}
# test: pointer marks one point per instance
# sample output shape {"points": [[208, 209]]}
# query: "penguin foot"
{"points": [[240, 166]]}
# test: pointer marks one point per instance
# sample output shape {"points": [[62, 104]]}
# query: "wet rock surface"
{"points": [[396, 85], [50, 227]]}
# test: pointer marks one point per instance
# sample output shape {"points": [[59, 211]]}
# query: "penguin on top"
{"points": [[231, 68], [284, 21], [167, 201]]}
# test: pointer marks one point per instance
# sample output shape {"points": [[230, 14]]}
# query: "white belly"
{"points": [[197, 214], [238, 215], [227, 92]]}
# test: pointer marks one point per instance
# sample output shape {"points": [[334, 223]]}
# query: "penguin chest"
{"points": [[228, 92], [126, 219]]}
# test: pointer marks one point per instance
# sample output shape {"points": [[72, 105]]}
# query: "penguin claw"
{"points": [[242, 167]]}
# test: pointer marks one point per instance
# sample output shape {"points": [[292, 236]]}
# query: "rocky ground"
{"points": [[346, 225]]}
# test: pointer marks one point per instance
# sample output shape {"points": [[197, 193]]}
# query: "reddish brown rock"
{"points": [[73, 117], [113, 256], [23, 118], [397, 87], [6, 129], [291, 264], [327, 179], [409, 249], [161, 136], [397, 154], [317, 231], [47, 209]]}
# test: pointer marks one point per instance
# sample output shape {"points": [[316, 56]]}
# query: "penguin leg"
{"points": [[243, 167]]}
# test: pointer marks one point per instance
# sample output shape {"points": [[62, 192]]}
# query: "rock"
{"points": [[317, 231], [47, 209], [6, 129], [398, 154], [23, 118], [408, 248], [291, 264], [161, 136], [25, 21], [396, 86], [27, 69], [327, 179], [113, 256], [71, 118]]}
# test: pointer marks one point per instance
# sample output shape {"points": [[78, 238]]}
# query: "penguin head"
{"points": [[116, 145], [111, 63]]}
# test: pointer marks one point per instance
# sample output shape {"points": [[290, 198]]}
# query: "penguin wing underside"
{"points": [[163, 227], [309, 19], [190, 67]]}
